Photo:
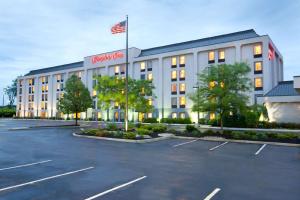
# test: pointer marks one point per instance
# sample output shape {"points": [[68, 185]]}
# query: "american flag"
{"points": [[119, 28]]}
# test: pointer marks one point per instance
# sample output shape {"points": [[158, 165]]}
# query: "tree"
{"points": [[112, 89], [76, 98], [11, 92], [222, 89]]}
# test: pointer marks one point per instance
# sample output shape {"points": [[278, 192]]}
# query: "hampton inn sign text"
{"points": [[107, 57]]}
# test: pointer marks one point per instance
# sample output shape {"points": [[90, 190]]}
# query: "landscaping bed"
{"points": [[192, 131], [135, 132]]}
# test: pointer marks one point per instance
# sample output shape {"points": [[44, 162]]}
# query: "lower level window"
{"points": [[182, 115], [258, 83], [212, 116], [174, 115]]}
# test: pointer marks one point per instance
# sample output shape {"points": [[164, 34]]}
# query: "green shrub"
{"points": [[197, 133], [112, 127], [150, 120], [209, 132], [138, 125], [92, 132], [129, 135], [142, 131], [190, 128], [176, 120], [159, 128], [117, 134], [203, 121], [175, 132], [7, 112]]}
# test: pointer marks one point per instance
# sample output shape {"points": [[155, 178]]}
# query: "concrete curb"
{"points": [[218, 139], [18, 128], [124, 140], [35, 127]]}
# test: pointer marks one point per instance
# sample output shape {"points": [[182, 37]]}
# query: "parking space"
{"points": [[52, 164]]}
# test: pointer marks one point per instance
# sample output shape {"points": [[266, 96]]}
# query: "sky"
{"points": [[43, 33]]}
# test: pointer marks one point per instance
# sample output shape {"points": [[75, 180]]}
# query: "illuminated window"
{"points": [[150, 77], [31, 81], [182, 88], [257, 50], [258, 67], [46, 88], [150, 102], [94, 93], [212, 84], [182, 61], [122, 91], [174, 75], [174, 115], [143, 66], [258, 82], [149, 115], [174, 102], [58, 77], [182, 102], [149, 66], [123, 69], [43, 88], [116, 105], [182, 75], [222, 84], [32, 89], [174, 62], [173, 88], [43, 105], [99, 115], [182, 115], [221, 56], [143, 91], [211, 57], [212, 116], [79, 74], [117, 70]]}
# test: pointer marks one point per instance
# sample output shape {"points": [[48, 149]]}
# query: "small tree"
{"points": [[222, 89], [112, 89], [76, 98], [11, 92]]}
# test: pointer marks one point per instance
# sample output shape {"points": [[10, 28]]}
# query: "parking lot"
{"points": [[50, 163]]}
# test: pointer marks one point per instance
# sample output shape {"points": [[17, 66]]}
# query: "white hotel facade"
{"points": [[172, 68]]}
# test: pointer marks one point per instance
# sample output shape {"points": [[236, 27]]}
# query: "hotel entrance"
{"points": [[119, 116]]}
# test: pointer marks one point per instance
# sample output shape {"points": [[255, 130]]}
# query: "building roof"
{"points": [[284, 88], [241, 35], [56, 68]]}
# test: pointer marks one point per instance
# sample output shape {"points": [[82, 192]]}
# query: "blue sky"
{"points": [[44, 33]]}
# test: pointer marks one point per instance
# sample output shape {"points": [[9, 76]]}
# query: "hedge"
{"points": [[7, 112], [176, 120]]}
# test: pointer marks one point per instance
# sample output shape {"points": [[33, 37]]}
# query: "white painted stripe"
{"points": [[25, 165], [43, 179], [115, 188], [260, 149], [218, 146], [185, 143], [211, 195]]}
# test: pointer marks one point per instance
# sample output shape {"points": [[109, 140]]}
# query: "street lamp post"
{"points": [[198, 98]]}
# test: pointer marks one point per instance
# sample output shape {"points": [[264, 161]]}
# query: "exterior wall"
{"points": [[196, 60], [286, 112]]}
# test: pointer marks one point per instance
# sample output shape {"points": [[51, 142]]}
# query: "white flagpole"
{"points": [[126, 81]]}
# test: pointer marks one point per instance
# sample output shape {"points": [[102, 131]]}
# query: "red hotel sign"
{"points": [[107, 57]]}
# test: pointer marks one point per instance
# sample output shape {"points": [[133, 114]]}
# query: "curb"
{"points": [[217, 139], [124, 140], [36, 127]]}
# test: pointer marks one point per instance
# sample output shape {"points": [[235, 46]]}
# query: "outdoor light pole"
{"points": [[198, 98]]}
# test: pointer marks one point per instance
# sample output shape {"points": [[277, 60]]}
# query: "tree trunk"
{"points": [[107, 115], [76, 119], [221, 123]]}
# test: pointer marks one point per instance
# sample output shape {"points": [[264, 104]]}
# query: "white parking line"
{"points": [[212, 194], [44, 179], [211, 149], [115, 188], [185, 143], [260, 149], [25, 165]]}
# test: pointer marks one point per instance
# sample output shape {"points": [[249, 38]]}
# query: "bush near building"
{"points": [[7, 111], [176, 120]]}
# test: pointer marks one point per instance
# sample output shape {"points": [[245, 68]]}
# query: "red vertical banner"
{"points": [[271, 54]]}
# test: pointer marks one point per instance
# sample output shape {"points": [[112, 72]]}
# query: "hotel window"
{"points": [[117, 70], [31, 81], [150, 102], [58, 78], [94, 105], [211, 57], [221, 56], [182, 115], [20, 90], [258, 67], [149, 115], [123, 69], [149, 66], [257, 51], [212, 116], [174, 115], [174, 62], [20, 106], [173, 88], [57, 96], [58, 86], [43, 97], [20, 98], [143, 76], [143, 92], [79, 75], [182, 75], [182, 102], [181, 61], [116, 105], [212, 84], [174, 102], [150, 77], [20, 83], [258, 83], [44, 80], [182, 88], [142, 66], [94, 93], [174, 75]]}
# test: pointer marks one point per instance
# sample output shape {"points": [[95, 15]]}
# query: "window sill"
{"points": [[182, 65], [258, 88], [221, 60], [173, 66], [258, 72], [174, 79], [182, 106], [183, 92], [174, 106], [211, 61], [173, 93], [257, 56]]}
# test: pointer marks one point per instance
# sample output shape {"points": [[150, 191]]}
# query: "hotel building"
{"points": [[172, 68]]}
